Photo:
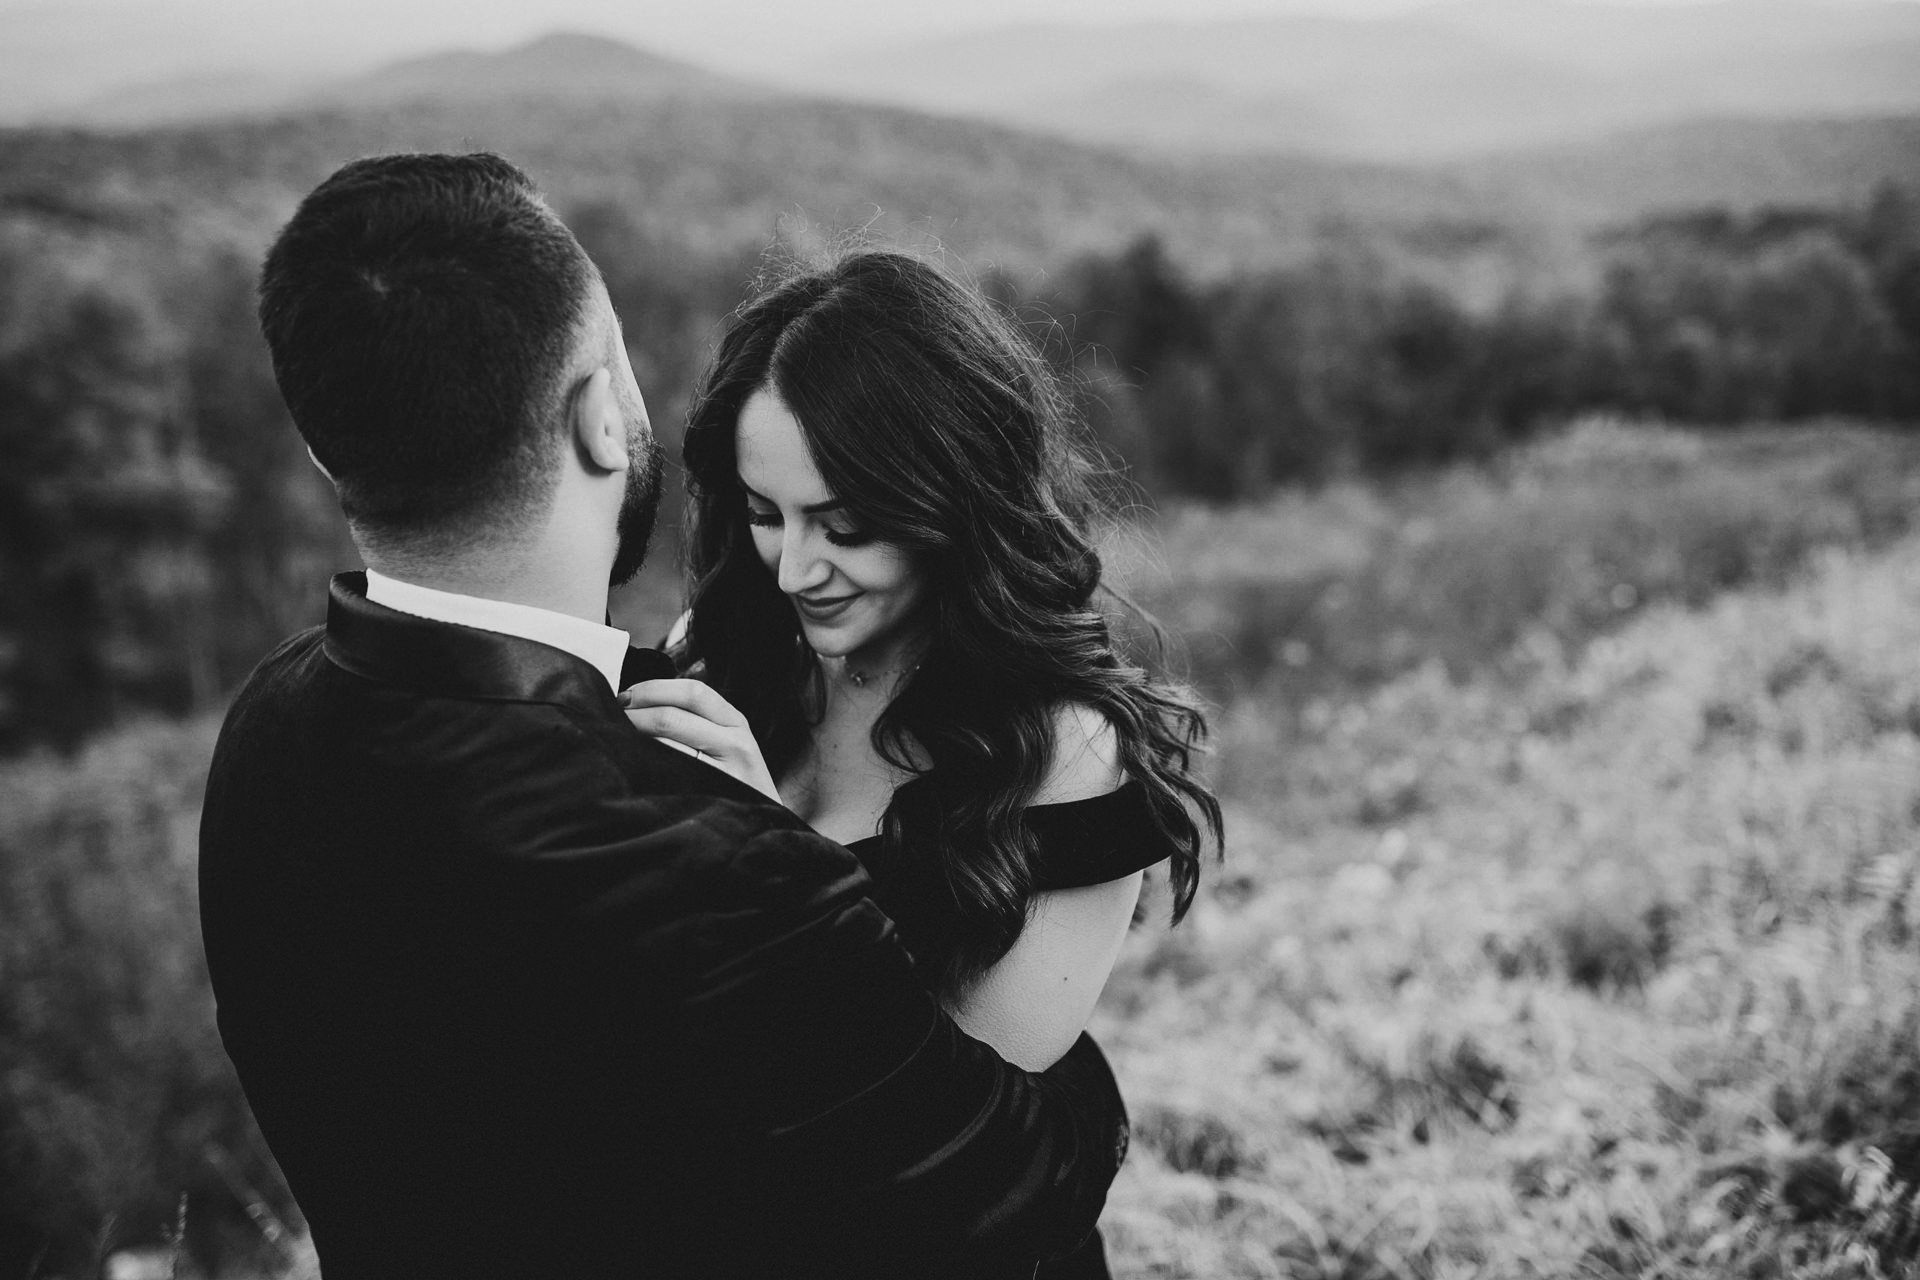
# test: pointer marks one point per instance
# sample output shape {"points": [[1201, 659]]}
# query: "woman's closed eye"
{"points": [[845, 532], [842, 530]]}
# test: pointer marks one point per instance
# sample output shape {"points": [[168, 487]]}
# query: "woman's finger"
{"points": [[684, 727], [730, 750], [695, 696]]}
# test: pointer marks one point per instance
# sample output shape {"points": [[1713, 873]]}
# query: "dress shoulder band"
{"points": [[1100, 838]]}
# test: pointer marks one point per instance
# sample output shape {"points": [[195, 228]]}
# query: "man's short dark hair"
{"points": [[422, 312]]}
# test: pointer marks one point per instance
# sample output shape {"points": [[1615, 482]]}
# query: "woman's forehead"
{"points": [[772, 454]]}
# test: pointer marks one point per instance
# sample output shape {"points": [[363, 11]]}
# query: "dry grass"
{"points": [[1331, 592], [1597, 964]]}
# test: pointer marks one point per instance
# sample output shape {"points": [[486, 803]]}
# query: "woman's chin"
{"points": [[830, 642]]}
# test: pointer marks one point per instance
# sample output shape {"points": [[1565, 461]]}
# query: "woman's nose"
{"points": [[802, 568]]}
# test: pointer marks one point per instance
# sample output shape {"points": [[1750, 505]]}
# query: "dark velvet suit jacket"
{"points": [[514, 990]]}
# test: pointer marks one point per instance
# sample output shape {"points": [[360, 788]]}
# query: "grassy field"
{"points": [[1597, 959], [1569, 924]]}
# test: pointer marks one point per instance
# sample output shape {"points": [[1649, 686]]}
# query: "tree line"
{"points": [[161, 527], [1223, 389]]}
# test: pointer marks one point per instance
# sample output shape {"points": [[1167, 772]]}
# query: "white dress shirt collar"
{"points": [[601, 647]]}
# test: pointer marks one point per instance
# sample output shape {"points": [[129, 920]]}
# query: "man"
{"points": [[513, 989]]}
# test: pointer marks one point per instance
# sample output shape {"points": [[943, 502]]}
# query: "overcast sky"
{"points": [[732, 34], [54, 50], [724, 33]]}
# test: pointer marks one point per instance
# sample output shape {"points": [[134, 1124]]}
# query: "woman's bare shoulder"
{"points": [[1086, 756]]}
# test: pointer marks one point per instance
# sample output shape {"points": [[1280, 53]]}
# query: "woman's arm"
{"points": [[1032, 1004]]}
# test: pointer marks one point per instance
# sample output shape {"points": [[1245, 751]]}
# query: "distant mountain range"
{"points": [[1452, 80], [709, 164], [1443, 82], [1739, 163], [565, 65]]}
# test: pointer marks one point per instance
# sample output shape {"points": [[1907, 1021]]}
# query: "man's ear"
{"points": [[598, 427]]}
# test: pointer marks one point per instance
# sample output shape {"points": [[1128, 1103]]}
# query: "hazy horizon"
{"points": [[57, 57]]}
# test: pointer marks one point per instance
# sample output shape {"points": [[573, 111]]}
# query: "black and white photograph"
{"points": [[1023, 640]]}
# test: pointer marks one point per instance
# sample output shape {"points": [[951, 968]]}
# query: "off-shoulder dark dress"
{"points": [[1079, 843]]}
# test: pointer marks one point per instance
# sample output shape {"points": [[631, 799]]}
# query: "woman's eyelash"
{"points": [[854, 537]]}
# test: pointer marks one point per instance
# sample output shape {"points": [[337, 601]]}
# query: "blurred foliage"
{"points": [[115, 1096], [1311, 592], [1346, 365], [160, 526]]}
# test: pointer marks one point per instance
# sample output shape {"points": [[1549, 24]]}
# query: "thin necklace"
{"points": [[861, 679]]}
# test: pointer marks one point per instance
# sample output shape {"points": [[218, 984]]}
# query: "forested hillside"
{"points": [[163, 526]]}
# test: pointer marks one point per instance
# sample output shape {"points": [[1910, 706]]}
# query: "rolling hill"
{"points": [[709, 163], [716, 173], [563, 65], [1740, 163], [1441, 82], [712, 164]]}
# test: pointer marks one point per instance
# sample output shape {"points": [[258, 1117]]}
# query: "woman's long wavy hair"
{"points": [[933, 417]]}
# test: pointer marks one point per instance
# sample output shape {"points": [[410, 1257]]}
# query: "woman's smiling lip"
{"points": [[824, 608]]}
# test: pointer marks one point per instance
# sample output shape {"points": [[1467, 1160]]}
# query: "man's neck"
{"points": [[565, 591], [600, 645]]}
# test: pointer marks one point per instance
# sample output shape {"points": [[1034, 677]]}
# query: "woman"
{"points": [[893, 590]]}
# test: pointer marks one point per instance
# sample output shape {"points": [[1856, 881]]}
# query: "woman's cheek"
{"points": [[766, 544], [903, 571]]}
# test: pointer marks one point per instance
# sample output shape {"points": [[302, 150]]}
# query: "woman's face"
{"points": [[856, 597]]}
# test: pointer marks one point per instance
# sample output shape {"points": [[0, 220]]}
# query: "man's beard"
{"points": [[639, 507]]}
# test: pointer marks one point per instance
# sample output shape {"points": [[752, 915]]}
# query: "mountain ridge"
{"points": [[562, 63], [1446, 81], [702, 162], [559, 62]]}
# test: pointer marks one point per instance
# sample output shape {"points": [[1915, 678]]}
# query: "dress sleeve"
{"points": [[1092, 841]]}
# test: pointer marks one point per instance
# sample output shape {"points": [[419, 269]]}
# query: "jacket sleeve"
{"points": [[885, 1128]]}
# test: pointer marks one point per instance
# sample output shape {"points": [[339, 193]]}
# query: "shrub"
{"points": [[1334, 591], [116, 1097]]}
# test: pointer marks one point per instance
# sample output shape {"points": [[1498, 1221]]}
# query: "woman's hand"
{"points": [[690, 715]]}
